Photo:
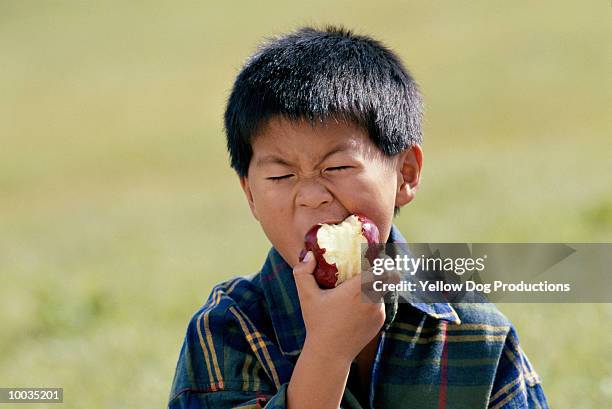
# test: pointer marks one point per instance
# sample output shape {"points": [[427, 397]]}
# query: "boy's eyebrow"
{"points": [[272, 159], [280, 161]]}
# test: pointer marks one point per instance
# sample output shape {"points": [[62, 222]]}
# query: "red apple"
{"points": [[337, 248]]}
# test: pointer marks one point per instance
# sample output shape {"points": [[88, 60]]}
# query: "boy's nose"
{"points": [[312, 194]]}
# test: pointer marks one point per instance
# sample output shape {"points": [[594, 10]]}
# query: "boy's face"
{"points": [[301, 175]]}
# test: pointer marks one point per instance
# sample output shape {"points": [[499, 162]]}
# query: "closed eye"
{"points": [[277, 178], [336, 168]]}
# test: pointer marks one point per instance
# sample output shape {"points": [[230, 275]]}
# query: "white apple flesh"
{"points": [[337, 248]]}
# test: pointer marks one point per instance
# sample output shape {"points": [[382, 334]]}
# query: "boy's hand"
{"points": [[339, 324]]}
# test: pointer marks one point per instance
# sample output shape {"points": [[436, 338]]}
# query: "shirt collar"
{"points": [[283, 303]]}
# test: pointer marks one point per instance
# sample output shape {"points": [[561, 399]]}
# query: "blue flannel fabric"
{"points": [[242, 345]]}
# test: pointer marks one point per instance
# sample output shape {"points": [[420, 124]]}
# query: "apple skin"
{"points": [[325, 273]]}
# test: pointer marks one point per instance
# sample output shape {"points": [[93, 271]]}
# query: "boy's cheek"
{"points": [[376, 207]]}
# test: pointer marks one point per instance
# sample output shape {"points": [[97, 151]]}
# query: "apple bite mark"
{"points": [[337, 248]]}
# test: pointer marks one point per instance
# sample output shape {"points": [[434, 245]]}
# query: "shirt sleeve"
{"points": [[516, 384], [217, 368]]}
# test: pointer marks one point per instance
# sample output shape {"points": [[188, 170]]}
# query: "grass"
{"points": [[118, 210]]}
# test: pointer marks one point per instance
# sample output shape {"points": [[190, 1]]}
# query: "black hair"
{"points": [[317, 74]]}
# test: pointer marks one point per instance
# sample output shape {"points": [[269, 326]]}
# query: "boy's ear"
{"points": [[244, 183], [409, 165]]}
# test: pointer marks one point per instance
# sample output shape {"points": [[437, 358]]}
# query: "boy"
{"points": [[322, 124]]}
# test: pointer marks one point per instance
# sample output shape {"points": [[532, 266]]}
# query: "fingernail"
{"points": [[302, 255], [308, 257]]}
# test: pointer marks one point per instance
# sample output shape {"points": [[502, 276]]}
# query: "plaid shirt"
{"points": [[242, 345]]}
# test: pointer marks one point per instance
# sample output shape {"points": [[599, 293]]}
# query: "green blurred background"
{"points": [[118, 209]]}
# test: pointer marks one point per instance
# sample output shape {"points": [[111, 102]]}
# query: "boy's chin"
{"points": [[291, 254]]}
